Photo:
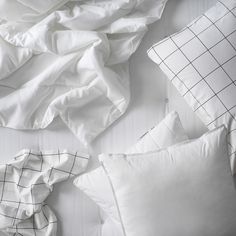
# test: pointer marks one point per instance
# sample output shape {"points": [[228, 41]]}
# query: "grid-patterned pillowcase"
{"points": [[200, 60]]}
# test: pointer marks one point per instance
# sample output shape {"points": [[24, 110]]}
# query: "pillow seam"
{"points": [[115, 198]]}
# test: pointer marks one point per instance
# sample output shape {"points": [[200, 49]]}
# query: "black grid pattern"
{"points": [[26, 182], [41, 223], [200, 60]]}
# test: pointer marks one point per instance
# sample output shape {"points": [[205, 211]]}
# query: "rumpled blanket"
{"points": [[26, 182], [69, 59]]}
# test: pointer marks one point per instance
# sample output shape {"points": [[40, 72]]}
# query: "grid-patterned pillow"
{"points": [[200, 60]]}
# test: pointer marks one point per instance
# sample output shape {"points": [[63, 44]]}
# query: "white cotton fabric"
{"points": [[96, 184], [200, 61], [26, 182], [186, 189], [69, 59]]}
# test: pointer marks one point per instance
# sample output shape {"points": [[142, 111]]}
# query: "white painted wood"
{"points": [[78, 216]]}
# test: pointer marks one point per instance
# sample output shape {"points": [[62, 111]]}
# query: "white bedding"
{"points": [[95, 183], [151, 97], [25, 183], [69, 59], [171, 192]]}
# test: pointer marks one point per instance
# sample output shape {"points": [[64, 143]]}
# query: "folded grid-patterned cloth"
{"points": [[26, 182]]}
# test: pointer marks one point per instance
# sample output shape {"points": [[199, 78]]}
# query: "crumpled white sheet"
{"points": [[26, 182], [69, 59]]}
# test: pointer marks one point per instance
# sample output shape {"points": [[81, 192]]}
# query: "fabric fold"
{"points": [[69, 59], [26, 182]]}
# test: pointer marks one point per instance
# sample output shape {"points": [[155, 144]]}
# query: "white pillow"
{"points": [[95, 183], [186, 189], [200, 60]]}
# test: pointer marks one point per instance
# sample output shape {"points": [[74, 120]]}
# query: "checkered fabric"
{"points": [[26, 182], [200, 60]]}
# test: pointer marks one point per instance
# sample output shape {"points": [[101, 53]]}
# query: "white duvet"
{"points": [[69, 59]]}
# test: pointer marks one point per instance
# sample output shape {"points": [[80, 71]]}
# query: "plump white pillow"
{"points": [[95, 183], [200, 60], [186, 189]]}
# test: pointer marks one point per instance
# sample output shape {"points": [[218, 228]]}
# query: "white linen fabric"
{"points": [[186, 189], [200, 60], [26, 182], [96, 184], [168, 132], [69, 59]]}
